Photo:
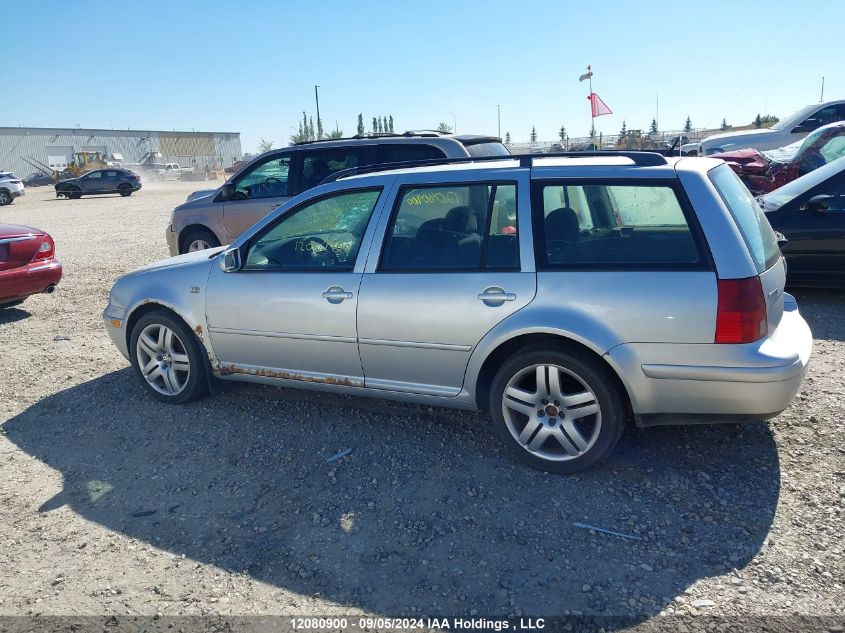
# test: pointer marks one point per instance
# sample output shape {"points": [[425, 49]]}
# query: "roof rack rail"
{"points": [[375, 135], [640, 159]]}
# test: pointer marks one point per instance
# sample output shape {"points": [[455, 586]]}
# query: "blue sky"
{"points": [[251, 66]]}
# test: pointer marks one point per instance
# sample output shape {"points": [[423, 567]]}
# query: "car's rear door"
{"points": [[450, 268]]}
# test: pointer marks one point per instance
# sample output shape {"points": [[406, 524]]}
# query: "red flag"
{"points": [[598, 106]]}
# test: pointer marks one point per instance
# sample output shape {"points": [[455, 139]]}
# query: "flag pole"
{"points": [[592, 116]]}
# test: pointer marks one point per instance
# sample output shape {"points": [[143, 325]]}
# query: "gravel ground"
{"points": [[111, 503]]}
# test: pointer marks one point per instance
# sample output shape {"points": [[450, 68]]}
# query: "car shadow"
{"points": [[823, 310], [426, 515], [11, 315]]}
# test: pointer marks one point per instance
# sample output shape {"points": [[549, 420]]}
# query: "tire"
{"points": [[171, 367], [5, 198], [125, 190], [197, 240], [563, 437], [73, 193]]}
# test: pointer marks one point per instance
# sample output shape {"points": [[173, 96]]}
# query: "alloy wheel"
{"points": [[198, 245], [163, 359], [551, 412]]}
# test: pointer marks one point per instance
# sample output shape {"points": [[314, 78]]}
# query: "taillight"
{"points": [[46, 250], [741, 315]]}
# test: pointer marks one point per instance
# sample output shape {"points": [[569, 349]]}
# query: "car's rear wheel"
{"points": [[560, 411], [125, 190], [5, 198], [167, 358], [198, 240]]}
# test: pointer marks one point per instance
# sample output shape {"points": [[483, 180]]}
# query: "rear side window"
{"points": [[487, 149], [403, 153], [750, 220], [453, 227], [608, 225]]}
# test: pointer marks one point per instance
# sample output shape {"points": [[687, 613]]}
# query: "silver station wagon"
{"points": [[565, 294]]}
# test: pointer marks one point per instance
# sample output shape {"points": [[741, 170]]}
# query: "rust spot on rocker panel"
{"points": [[229, 368]]}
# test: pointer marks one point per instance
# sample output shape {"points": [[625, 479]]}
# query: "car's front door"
{"points": [[815, 253], [289, 312], [92, 182], [259, 190], [449, 271]]}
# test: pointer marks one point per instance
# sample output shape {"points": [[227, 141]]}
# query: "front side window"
{"points": [[266, 180], [94, 175], [453, 227], [750, 219], [591, 224], [322, 235]]}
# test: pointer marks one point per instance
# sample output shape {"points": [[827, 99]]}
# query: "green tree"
{"points": [[653, 128], [336, 133], [757, 121], [390, 121], [688, 126], [507, 138], [624, 131], [724, 125], [533, 134], [361, 129], [378, 125], [311, 129], [319, 128], [562, 134], [444, 127], [375, 126], [264, 145]]}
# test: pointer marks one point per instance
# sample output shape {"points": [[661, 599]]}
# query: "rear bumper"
{"points": [[29, 280], [717, 383]]}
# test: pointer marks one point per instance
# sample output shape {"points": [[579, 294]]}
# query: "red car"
{"points": [[28, 263], [765, 171]]}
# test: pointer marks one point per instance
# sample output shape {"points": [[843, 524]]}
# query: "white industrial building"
{"points": [[21, 148]]}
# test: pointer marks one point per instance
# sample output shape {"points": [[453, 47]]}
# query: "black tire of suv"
{"points": [[125, 190], [613, 406], [5, 198], [197, 384], [197, 234]]}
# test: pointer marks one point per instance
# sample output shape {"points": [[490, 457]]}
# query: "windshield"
{"points": [[793, 150], [799, 186], [488, 149], [796, 118]]}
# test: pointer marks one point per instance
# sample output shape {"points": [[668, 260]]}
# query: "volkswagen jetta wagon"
{"points": [[565, 294]]}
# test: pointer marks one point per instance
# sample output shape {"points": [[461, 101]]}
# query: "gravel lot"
{"points": [[113, 503]]}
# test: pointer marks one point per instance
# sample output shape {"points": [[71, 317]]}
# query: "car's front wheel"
{"points": [[560, 411], [198, 240], [5, 198], [167, 358]]}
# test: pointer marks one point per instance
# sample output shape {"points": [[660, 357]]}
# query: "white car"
{"points": [[788, 130], [11, 187]]}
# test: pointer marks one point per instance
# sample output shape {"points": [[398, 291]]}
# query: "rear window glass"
{"points": [[750, 219], [594, 224]]}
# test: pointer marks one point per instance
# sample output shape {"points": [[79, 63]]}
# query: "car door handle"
{"points": [[495, 295], [336, 294]]}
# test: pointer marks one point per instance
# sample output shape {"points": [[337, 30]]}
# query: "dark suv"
{"points": [[109, 180], [213, 217]]}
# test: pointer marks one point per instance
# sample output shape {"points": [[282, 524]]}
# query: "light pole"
{"points": [[657, 108], [499, 118], [454, 123], [317, 99]]}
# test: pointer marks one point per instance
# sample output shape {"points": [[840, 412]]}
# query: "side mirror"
{"points": [[231, 262], [807, 125], [227, 190], [819, 203]]}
